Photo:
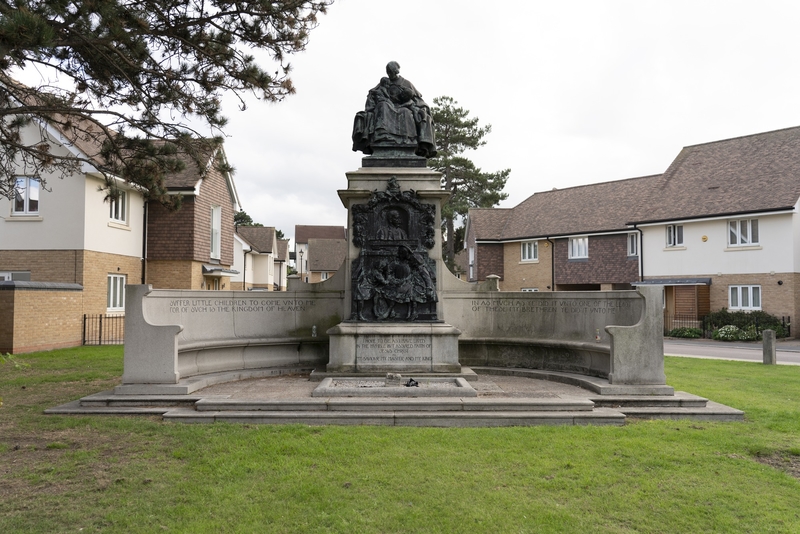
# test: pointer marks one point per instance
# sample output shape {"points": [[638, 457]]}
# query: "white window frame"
{"points": [[216, 232], [743, 232], [323, 276], [578, 247], [23, 192], [674, 235], [529, 251], [744, 297], [115, 294], [530, 289], [118, 208], [471, 253], [633, 244]]}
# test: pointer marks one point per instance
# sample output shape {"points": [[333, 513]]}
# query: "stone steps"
{"points": [[425, 418], [603, 404]]}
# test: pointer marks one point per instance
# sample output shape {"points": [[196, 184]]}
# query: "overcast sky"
{"points": [[576, 91]]}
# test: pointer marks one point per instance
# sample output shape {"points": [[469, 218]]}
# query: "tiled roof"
{"points": [[326, 254], [283, 250], [755, 173], [303, 233], [604, 207], [192, 173], [260, 238], [488, 223]]}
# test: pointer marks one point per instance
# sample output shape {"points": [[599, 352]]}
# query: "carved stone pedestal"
{"points": [[393, 347]]}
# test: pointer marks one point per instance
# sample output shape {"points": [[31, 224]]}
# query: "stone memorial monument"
{"points": [[394, 261]]}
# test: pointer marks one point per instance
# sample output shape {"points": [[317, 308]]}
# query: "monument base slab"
{"points": [[357, 347]]}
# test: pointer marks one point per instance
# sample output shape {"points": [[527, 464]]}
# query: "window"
{"points": [[323, 275], [744, 297], [674, 235], [633, 244], [118, 211], [578, 247], [530, 251], [115, 300], [529, 289], [471, 263], [26, 196], [216, 232], [743, 232]]}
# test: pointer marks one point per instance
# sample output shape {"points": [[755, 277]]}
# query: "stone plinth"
{"points": [[395, 347]]}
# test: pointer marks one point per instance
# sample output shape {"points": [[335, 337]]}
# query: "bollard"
{"points": [[770, 357]]}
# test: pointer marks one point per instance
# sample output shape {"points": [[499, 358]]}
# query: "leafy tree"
{"points": [[241, 218], [456, 133], [125, 79], [279, 234]]}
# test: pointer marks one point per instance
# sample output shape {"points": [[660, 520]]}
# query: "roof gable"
{"points": [[750, 174], [326, 254], [261, 238]]}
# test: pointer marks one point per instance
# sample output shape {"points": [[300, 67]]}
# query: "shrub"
{"points": [[759, 320], [727, 333], [685, 331]]}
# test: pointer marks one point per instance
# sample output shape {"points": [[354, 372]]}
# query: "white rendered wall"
{"points": [[241, 262], [262, 269], [59, 223], [103, 235], [774, 253]]}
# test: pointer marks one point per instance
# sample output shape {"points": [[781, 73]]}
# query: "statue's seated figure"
{"points": [[394, 116]]}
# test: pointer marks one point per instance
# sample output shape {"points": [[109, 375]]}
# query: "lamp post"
{"points": [[301, 264]]}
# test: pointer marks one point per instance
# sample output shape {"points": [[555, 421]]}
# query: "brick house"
{"points": [[573, 239], [719, 229], [302, 235], [723, 228], [260, 259], [66, 251], [192, 248]]}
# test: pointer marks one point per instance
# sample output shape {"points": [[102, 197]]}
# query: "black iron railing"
{"points": [[103, 329]]}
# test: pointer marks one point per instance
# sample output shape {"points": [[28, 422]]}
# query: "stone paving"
{"points": [[300, 387]]}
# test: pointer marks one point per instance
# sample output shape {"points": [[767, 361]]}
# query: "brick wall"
{"points": [[779, 300], [174, 274], [519, 274], [45, 265], [185, 234], [776, 299], [95, 280], [85, 267], [215, 192], [6, 321], [608, 262], [40, 319], [489, 260], [170, 234]]}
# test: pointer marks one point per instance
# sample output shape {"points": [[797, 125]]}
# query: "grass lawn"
{"points": [[138, 474]]}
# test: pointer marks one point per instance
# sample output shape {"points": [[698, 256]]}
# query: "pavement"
{"points": [[787, 351]]}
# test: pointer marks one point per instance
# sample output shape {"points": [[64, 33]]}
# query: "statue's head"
{"points": [[393, 69]]}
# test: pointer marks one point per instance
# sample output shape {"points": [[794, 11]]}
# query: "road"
{"points": [[788, 352]]}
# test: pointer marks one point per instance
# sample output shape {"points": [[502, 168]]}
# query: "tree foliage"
{"points": [[124, 79], [457, 132], [241, 218]]}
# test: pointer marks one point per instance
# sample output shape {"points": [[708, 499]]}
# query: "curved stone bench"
{"points": [[172, 336], [592, 359], [228, 354]]}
